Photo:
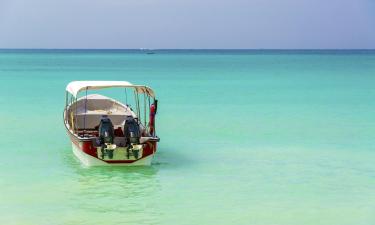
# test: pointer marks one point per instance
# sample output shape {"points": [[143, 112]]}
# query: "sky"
{"points": [[188, 24]]}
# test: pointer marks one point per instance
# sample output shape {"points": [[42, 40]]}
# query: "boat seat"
{"points": [[93, 120]]}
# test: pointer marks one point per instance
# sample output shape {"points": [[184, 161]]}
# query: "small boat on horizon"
{"points": [[104, 131]]}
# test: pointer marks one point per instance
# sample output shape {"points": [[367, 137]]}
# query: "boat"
{"points": [[105, 131]]}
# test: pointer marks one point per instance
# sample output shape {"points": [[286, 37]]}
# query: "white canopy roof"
{"points": [[75, 87]]}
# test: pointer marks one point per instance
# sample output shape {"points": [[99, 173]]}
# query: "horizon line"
{"points": [[192, 49]]}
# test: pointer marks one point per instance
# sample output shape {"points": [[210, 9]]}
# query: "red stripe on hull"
{"points": [[87, 147]]}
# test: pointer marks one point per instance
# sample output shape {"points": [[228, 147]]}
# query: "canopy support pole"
{"points": [[156, 109], [136, 103], [138, 108], [144, 103], [126, 97], [84, 117], [75, 115]]}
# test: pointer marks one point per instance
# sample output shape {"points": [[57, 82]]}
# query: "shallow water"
{"points": [[247, 137]]}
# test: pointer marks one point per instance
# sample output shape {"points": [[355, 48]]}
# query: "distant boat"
{"points": [[104, 131], [148, 51]]}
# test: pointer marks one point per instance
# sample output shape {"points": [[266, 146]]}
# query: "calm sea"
{"points": [[247, 137]]}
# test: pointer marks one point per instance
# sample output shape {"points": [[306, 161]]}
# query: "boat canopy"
{"points": [[75, 87]]}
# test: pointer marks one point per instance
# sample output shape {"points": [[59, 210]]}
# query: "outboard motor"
{"points": [[132, 136], [106, 137], [132, 131]]}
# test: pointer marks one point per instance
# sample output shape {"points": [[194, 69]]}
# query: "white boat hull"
{"points": [[89, 160]]}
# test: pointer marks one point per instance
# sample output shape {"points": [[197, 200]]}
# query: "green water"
{"points": [[247, 137]]}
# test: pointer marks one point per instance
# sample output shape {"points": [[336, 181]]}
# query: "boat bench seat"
{"points": [[93, 120]]}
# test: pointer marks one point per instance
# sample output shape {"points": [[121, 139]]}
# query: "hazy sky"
{"points": [[187, 23]]}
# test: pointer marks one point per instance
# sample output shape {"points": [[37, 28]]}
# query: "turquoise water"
{"points": [[247, 137]]}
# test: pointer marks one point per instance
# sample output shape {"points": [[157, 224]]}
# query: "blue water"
{"points": [[247, 137]]}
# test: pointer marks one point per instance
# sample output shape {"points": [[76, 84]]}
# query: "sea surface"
{"points": [[255, 137]]}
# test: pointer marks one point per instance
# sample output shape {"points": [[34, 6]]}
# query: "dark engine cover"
{"points": [[132, 131], [106, 131]]}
